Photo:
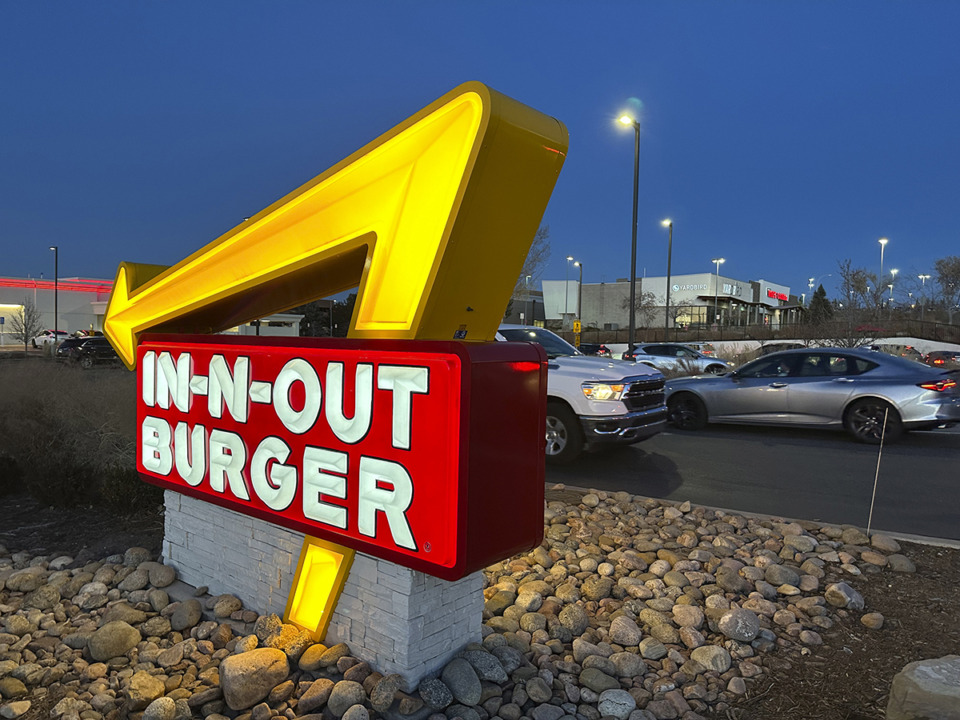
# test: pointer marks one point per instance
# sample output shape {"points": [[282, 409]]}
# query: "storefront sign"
{"points": [[777, 295], [400, 449], [405, 450], [701, 286]]}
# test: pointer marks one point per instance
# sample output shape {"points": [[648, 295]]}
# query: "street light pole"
{"points": [[579, 289], [716, 291], [566, 291], [526, 304], [923, 298], [883, 244], [627, 120], [56, 309], [668, 223]]}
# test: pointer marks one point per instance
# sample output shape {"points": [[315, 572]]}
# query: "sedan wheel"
{"points": [[686, 411], [564, 442], [86, 362], [865, 419]]}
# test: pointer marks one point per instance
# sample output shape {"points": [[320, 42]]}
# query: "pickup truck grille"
{"points": [[644, 394]]}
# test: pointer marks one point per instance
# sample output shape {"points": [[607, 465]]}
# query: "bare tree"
{"points": [[948, 278], [647, 305], [860, 288], [681, 310], [26, 323], [536, 262]]}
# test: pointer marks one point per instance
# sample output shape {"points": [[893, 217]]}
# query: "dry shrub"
{"points": [[71, 433]]}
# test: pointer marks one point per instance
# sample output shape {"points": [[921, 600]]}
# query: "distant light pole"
{"points": [[56, 309], [526, 304], [566, 290], [810, 285], [716, 290], [883, 244], [627, 120], [923, 299], [668, 223], [579, 289]]}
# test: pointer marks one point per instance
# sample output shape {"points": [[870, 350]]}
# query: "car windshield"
{"points": [[553, 345]]}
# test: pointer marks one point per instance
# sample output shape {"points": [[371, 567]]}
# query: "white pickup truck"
{"points": [[592, 400]]}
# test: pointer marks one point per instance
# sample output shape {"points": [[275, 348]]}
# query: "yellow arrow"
{"points": [[432, 220]]}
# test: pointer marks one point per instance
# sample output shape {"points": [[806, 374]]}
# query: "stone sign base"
{"points": [[399, 620]]}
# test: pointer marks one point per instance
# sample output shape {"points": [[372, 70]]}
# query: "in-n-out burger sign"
{"points": [[776, 295], [394, 448], [402, 448]]}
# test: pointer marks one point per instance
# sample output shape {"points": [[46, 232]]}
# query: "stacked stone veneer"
{"points": [[400, 620]]}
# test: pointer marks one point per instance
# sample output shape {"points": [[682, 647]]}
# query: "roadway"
{"points": [[811, 475]]}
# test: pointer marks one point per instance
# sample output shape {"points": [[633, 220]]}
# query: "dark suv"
{"points": [[94, 351]]}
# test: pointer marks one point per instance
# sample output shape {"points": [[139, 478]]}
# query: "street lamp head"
{"points": [[53, 247], [719, 261], [667, 223], [569, 258], [627, 120], [883, 241], [578, 264], [894, 272]]}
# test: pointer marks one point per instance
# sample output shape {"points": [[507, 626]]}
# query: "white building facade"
{"points": [[700, 299], [81, 303]]}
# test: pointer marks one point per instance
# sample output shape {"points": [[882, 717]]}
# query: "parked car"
{"points": [[593, 401], [598, 349], [704, 348], [852, 389], [94, 350], [905, 351], [67, 348], [947, 359], [47, 337], [677, 358]]}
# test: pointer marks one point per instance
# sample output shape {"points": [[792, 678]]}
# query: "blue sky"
{"points": [[783, 136]]}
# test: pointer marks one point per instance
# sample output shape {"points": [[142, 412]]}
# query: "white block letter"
{"points": [[394, 502], [234, 388], [350, 430], [174, 380], [148, 373], [190, 453], [275, 483], [155, 453], [297, 421], [227, 457], [403, 381], [318, 466]]}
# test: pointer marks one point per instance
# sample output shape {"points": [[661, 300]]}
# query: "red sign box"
{"points": [[425, 453]]}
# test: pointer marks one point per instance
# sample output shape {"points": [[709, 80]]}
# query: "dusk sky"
{"points": [[783, 136]]}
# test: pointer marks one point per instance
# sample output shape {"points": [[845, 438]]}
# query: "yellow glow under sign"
{"points": [[320, 576], [432, 221]]}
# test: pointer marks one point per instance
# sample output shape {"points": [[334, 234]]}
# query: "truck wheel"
{"points": [[564, 441]]}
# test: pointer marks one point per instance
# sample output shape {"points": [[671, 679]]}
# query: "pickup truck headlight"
{"points": [[602, 391]]}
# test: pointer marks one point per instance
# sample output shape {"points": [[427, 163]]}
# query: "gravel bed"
{"points": [[631, 608]]}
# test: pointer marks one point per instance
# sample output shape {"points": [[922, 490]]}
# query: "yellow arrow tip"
{"points": [[118, 332]]}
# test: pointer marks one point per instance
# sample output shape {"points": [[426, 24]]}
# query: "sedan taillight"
{"points": [[939, 385]]}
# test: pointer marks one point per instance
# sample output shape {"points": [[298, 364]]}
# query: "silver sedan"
{"points": [[871, 395]]}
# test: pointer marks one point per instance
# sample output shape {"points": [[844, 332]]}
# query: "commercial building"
{"points": [[81, 303], [700, 299]]}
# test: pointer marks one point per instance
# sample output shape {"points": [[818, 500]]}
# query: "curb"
{"points": [[950, 543]]}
